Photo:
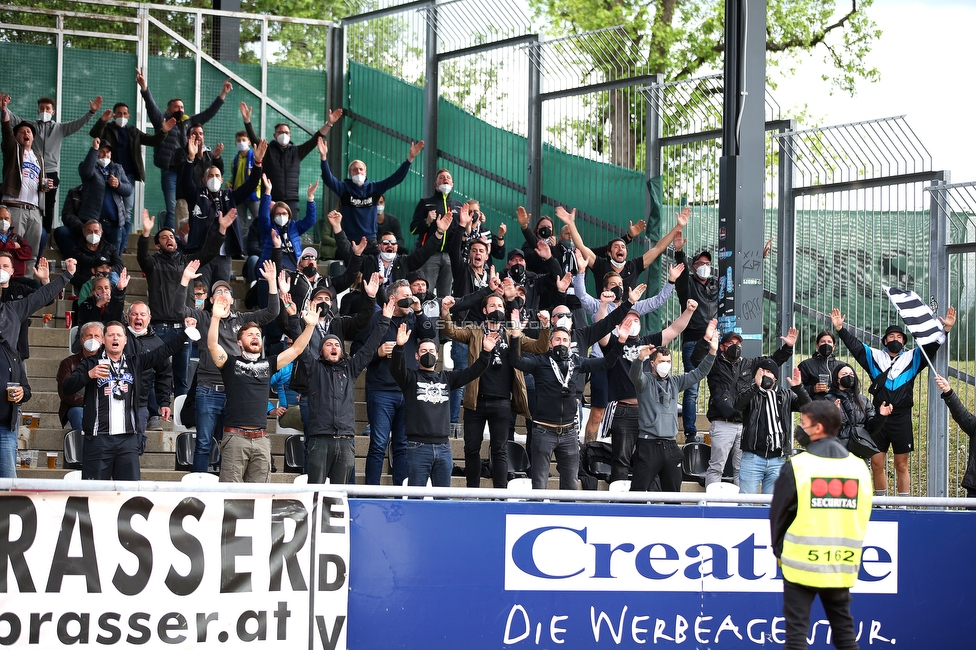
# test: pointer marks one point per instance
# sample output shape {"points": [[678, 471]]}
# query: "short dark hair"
{"points": [[241, 134], [659, 352], [246, 326], [478, 242], [119, 105], [823, 333], [422, 341], [195, 125], [175, 99], [484, 301], [160, 232], [114, 323], [611, 274], [45, 100], [281, 124], [824, 412], [384, 233]]}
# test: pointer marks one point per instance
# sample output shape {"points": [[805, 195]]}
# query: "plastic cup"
{"points": [[12, 386], [52, 460]]}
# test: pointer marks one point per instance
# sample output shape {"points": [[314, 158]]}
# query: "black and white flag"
{"points": [[921, 322]]}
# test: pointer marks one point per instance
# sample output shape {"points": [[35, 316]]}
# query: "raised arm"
{"points": [[311, 318], [672, 331], [662, 245], [221, 310], [569, 218]]}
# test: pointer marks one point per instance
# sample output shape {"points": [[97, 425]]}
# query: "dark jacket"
{"points": [[159, 375], [13, 369], [13, 163], [966, 422], [439, 203], [177, 136], [283, 165], [94, 180], [726, 380], [812, 368], [302, 287], [68, 400], [200, 166], [853, 416], [705, 294], [401, 265], [750, 402], [15, 312], [165, 270], [88, 259], [89, 311], [17, 291], [332, 386], [378, 375], [109, 132], [204, 206]]}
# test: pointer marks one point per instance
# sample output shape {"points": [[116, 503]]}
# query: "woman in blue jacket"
{"points": [[277, 217]]}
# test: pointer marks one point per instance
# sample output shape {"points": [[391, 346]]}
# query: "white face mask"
{"points": [[358, 179], [445, 188], [4, 277], [4, 225], [281, 220], [45, 116], [93, 238], [704, 271], [617, 265], [92, 345], [103, 162], [243, 146], [213, 184], [380, 209], [138, 332], [388, 257], [192, 333], [121, 122], [283, 139], [635, 328], [663, 369], [564, 321]]}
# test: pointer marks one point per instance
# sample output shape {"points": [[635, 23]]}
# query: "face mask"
{"points": [[309, 271], [847, 381], [560, 352], [243, 146], [192, 333], [178, 116], [198, 302], [325, 310], [495, 316], [44, 117], [213, 184], [139, 332], [388, 257], [895, 346], [93, 239], [635, 328], [663, 369], [92, 345], [121, 122], [428, 359], [766, 382], [283, 139], [618, 293], [380, 209], [569, 244], [445, 188], [103, 162], [4, 277], [733, 352], [704, 271], [517, 273], [358, 179], [565, 322], [4, 225], [617, 265], [801, 436], [281, 220], [518, 302], [545, 232], [404, 303], [825, 349]]}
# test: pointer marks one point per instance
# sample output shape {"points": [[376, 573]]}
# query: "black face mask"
{"points": [[424, 297], [178, 116], [518, 302], [404, 303], [545, 232], [517, 273], [825, 349], [618, 293], [766, 382], [560, 352], [325, 309], [733, 352], [495, 316], [428, 359], [309, 271], [847, 381], [801, 436], [894, 346]]}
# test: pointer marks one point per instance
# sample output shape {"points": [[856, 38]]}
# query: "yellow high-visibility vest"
{"points": [[822, 547]]}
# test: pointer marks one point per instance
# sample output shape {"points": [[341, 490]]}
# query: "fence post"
{"points": [[431, 93], [533, 176], [937, 483], [142, 62], [335, 90], [786, 242]]}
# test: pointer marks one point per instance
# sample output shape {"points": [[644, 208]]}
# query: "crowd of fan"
{"points": [[525, 338]]}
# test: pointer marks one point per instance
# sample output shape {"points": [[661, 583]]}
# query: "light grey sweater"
{"points": [[657, 397]]}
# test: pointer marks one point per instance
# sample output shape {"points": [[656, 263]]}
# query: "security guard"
{"points": [[819, 516]]}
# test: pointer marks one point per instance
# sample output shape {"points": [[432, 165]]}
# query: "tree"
{"points": [[684, 39]]}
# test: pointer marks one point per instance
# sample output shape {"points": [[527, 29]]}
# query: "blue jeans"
{"points": [[167, 180], [210, 419], [689, 402], [425, 460], [8, 453], [75, 416], [386, 427], [459, 354], [181, 360], [756, 470]]}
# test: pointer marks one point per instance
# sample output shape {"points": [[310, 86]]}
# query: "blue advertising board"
{"points": [[461, 574]]}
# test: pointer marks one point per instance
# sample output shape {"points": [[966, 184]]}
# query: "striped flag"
{"points": [[921, 322]]}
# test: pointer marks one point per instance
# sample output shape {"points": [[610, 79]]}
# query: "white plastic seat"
{"points": [[199, 477]]}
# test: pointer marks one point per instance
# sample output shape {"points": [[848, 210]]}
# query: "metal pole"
{"points": [[652, 168], [431, 93], [198, 72], [335, 92], [533, 175], [786, 244], [59, 74], [142, 61], [264, 77], [937, 484]]}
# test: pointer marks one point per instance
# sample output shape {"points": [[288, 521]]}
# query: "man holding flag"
{"points": [[893, 370]]}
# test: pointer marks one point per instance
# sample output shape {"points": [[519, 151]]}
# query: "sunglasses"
{"points": [[389, 242], [309, 257]]}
